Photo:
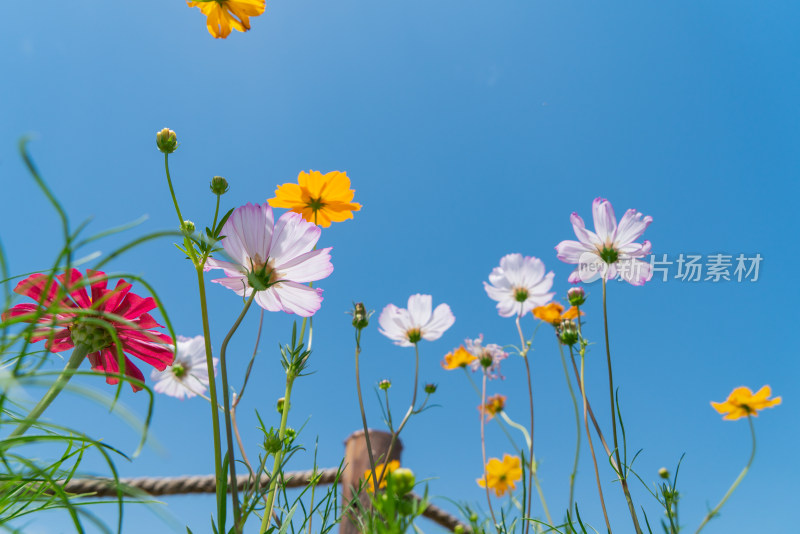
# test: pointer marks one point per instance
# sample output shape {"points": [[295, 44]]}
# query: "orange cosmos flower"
{"points": [[458, 358], [224, 15], [500, 476], [319, 198], [554, 313], [742, 403], [391, 466], [494, 405]]}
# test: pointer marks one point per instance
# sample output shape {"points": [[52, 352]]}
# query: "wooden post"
{"points": [[357, 462]]}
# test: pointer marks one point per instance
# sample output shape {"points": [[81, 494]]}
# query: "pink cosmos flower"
{"points": [[274, 260], [188, 374], [610, 252], [66, 308], [519, 285], [492, 352], [408, 326]]}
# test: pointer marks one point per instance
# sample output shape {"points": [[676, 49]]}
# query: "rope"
{"points": [[106, 487]]}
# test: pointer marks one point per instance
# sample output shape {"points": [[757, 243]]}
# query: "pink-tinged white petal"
{"points": [[605, 223], [308, 267], [420, 308], [571, 251], [293, 237], [298, 298], [268, 300], [519, 277], [631, 227], [441, 320], [587, 237], [635, 272], [231, 269], [393, 324], [192, 378], [238, 285], [248, 232]]}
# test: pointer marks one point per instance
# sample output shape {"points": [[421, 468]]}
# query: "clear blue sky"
{"points": [[470, 130]]}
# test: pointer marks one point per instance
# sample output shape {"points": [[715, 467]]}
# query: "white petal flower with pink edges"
{"points": [[406, 327], [274, 260], [187, 377], [519, 285], [611, 250]]}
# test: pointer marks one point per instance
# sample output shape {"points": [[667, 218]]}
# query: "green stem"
{"points": [[577, 427], [530, 396], [363, 414], [273, 477], [622, 468], [212, 389], [736, 482], [483, 452], [78, 354], [223, 368], [172, 190]]}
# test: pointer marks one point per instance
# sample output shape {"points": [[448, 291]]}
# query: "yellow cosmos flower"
{"points": [[500, 476], [458, 358], [224, 15], [494, 405], [554, 313], [319, 198], [394, 464], [742, 403]]}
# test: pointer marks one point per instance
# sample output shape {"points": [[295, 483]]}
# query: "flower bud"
{"points": [[166, 141], [430, 389], [280, 404], [360, 316], [663, 473], [187, 227], [272, 442], [384, 384], [576, 296], [459, 529], [403, 479], [567, 332], [219, 185]]}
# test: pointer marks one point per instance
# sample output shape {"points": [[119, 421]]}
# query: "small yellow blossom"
{"points": [[494, 405], [554, 313], [500, 476], [742, 403], [458, 358], [224, 15], [394, 464], [319, 198]]}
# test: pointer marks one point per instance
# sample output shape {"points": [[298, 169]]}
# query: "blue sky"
{"points": [[470, 130]]}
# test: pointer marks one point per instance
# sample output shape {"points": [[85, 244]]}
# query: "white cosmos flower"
{"points": [[519, 285], [188, 374], [408, 326], [276, 259]]}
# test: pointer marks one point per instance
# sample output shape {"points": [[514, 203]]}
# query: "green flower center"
{"points": [[261, 275], [316, 204], [91, 335], [609, 255], [178, 370], [520, 294], [414, 335]]}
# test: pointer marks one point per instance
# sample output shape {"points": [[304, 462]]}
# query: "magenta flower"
{"points": [[519, 285], [610, 252], [408, 326], [274, 260], [69, 318]]}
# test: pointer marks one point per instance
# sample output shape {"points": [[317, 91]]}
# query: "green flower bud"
{"points": [[384, 384], [663, 473], [404, 480], [166, 141], [459, 529], [219, 185], [576, 296], [567, 332], [187, 227], [430, 389], [272, 442], [280, 404], [360, 316]]}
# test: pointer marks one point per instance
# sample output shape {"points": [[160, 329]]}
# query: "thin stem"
{"points": [[172, 190], [621, 468], [483, 452], [736, 482], [212, 388], [223, 371], [530, 396], [589, 439], [577, 427], [273, 482], [363, 414], [591, 413], [78, 354]]}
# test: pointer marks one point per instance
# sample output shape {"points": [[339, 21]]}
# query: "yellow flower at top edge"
{"points": [[742, 403], [500, 476], [224, 15], [319, 198], [458, 358], [391, 466], [494, 405], [553, 313]]}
